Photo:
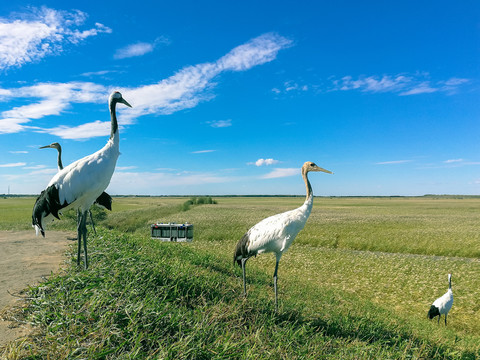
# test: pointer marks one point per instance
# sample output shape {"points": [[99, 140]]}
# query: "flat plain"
{"points": [[356, 283]]}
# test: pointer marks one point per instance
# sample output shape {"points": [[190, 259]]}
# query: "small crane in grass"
{"points": [[79, 184], [276, 233], [443, 304], [103, 201]]}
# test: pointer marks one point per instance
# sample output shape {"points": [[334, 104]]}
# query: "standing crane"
{"points": [[103, 201], [443, 304], [276, 233], [80, 183]]}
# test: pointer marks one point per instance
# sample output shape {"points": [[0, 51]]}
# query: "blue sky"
{"points": [[233, 97]]}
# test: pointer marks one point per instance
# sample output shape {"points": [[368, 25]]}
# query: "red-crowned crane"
{"points": [[80, 183], [443, 304], [103, 201], [276, 233]]}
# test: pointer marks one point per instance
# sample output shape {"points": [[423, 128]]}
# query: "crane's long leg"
{"points": [[85, 214], [445, 319], [275, 284], [244, 282], [93, 224], [79, 235]]}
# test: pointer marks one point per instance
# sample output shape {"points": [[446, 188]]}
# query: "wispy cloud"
{"points": [[220, 123], [290, 86], [98, 73], [55, 98], [453, 161], [35, 167], [123, 182], [84, 131], [281, 172], [29, 37], [261, 162], [18, 152], [18, 164], [202, 151], [185, 89], [402, 84], [133, 50], [139, 48], [394, 162], [123, 168]]}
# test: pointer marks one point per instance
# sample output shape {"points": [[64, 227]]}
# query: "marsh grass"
{"points": [[360, 296]]}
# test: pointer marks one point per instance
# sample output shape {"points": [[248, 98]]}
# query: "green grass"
{"points": [[356, 284]]}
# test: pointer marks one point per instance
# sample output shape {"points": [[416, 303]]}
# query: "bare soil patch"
{"points": [[26, 259]]}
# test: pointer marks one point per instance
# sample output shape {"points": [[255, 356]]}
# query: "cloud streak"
{"points": [[394, 162], [401, 84], [18, 164], [220, 123], [281, 172]]}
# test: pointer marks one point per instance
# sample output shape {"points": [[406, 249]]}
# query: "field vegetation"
{"points": [[356, 283]]}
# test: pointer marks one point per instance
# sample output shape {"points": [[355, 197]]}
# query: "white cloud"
{"points": [[401, 84], [28, 37], [133, 50], [18, 152], [97, 73], [220, 123], [289, 86], [35, 167], [261, 162], [139, 48], [394, 162], [453, 161], [13, 165], [157, 182], [202, 151], [183, 90], [80, 132], [281, 172], [259, 50], [55, 99], [123, 168]]}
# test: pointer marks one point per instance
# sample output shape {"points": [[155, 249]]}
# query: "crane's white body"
{"points": [[85, 179], [276, 233], [443, 304], [81, 183]]}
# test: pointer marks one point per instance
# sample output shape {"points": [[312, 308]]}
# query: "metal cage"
{"points": [[172, 232]]}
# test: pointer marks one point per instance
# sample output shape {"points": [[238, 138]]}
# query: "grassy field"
{"points": [[356, 283]]}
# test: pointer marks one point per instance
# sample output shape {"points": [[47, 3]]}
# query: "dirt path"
{"points": [[24, 260]]}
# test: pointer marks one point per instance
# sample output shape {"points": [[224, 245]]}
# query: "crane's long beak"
{"points": [[318, 168], [44, 147], [125, 102]]}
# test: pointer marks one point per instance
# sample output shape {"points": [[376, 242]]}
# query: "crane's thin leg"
{"points": [[275, 284], [93, 225], [79, 235], [244, 282], [85, 214], [439, 316], [445, 319]]}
